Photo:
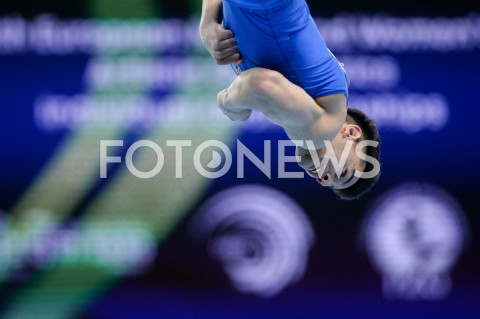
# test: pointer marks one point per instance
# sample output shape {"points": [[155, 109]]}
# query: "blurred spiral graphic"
{"points": [[259, 235]]}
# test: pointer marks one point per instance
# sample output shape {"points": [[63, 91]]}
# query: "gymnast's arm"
{"points": [[285, 104], [219, 42]]}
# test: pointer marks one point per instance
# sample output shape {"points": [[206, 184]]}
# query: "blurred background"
{"points": [[74, 245]]}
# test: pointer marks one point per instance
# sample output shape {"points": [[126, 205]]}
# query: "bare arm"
{"points": [[285, 104], [219, 42]]}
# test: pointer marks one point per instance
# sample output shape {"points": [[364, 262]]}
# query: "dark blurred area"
{"points": [[184, 8]]}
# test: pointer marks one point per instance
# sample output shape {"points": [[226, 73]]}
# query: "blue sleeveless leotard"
{"points": [[281, 35]]}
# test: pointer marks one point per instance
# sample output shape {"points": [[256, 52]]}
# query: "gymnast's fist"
{"points": [[232, 110], [220, 43]]}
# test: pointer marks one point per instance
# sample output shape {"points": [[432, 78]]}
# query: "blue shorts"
{"points": [[281, 35]]}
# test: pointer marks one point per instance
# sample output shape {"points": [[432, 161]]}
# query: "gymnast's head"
{"points": [[357, 144]]}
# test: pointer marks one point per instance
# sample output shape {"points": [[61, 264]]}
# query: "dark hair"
{"points": [[369, 132]]}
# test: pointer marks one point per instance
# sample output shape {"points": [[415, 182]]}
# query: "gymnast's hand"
{"points": [[234, 111], [220, 43]]}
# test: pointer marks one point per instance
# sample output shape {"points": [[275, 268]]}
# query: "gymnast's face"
{"points": [[329, 177]]}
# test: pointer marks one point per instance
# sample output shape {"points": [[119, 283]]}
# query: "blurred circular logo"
{"points": [[413, 236]]}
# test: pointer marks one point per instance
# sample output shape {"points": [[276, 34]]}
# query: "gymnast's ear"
{"points": [[352, 131]]}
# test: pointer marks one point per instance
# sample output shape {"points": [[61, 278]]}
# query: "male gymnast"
{"points": [[286, 71]]}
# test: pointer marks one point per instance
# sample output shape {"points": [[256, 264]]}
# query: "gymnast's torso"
{"points": [[281, 35]]}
